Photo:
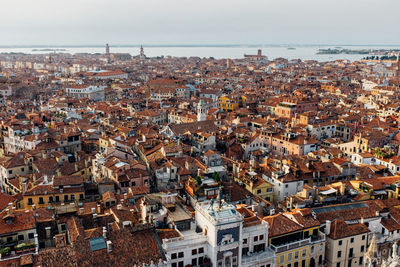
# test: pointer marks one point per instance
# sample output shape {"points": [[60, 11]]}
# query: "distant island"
{"points": [[49, 49], [337, 51]]}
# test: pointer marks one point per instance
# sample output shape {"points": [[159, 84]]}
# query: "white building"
{"points": [[221, 236], [92, 92]]}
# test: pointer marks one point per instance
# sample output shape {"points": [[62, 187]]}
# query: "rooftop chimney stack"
{"points": [[328, 227], [109, 246]]}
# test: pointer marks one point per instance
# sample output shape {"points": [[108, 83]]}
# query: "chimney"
{"points": [[48, 232], [45, 179], [93, 210], [24, 188], [104, 233], [342, 189], [109, 246], [328, 227], [76, 167], [98, 208], [81, 210], [125, 196], [119, 206], [291, 202]]}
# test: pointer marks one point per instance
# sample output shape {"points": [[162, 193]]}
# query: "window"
{"points": [[63, 228], [296, 255], [173, 256], [362, 248], [20, 237], [180, 255], [339, 254], [174, 264], [255, 238], [194, 252], [258, 191], [245, 241], [57, 198], [352, 240], [194, 262], [31, 235], [282, 259], [340, 242], [261, 237], [201, 250], [338, 264], [361, 260], [180, 264], [51, 200], [30, 202], [363, 237], [41, 200]]}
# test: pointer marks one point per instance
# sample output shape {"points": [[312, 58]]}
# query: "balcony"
{"points": [[300, 243], [258, 258], [290, 246], [11, 251]]}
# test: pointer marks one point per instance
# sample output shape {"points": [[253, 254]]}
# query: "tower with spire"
{"points": [[372, 257], [398, 65], [107, 50], [142, 55], [202, 111]]}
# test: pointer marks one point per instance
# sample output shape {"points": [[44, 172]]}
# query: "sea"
{"points": [[303, 52]]}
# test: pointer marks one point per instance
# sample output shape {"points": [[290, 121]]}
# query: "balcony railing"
{"points": [[299, 243], [292, 245], [257, 257]]}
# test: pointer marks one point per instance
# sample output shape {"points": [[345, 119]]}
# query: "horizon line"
{"points": [[182, 45]]}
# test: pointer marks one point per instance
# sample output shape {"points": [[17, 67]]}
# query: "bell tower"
{"points": [[202, 111], [398, 65]]}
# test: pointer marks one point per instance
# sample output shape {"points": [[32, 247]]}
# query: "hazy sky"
{"points": [[74, 22]]}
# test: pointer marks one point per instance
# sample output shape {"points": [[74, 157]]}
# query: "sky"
{"points": [[184, 22]]}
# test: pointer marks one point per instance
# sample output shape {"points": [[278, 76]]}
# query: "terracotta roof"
{"points": [[280, 225], [340, 229]]}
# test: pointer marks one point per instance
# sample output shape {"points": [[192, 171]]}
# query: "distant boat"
{"points": [[291, 48]]}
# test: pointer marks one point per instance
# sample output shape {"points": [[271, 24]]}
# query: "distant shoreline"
{"points": [[197, 45]]}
